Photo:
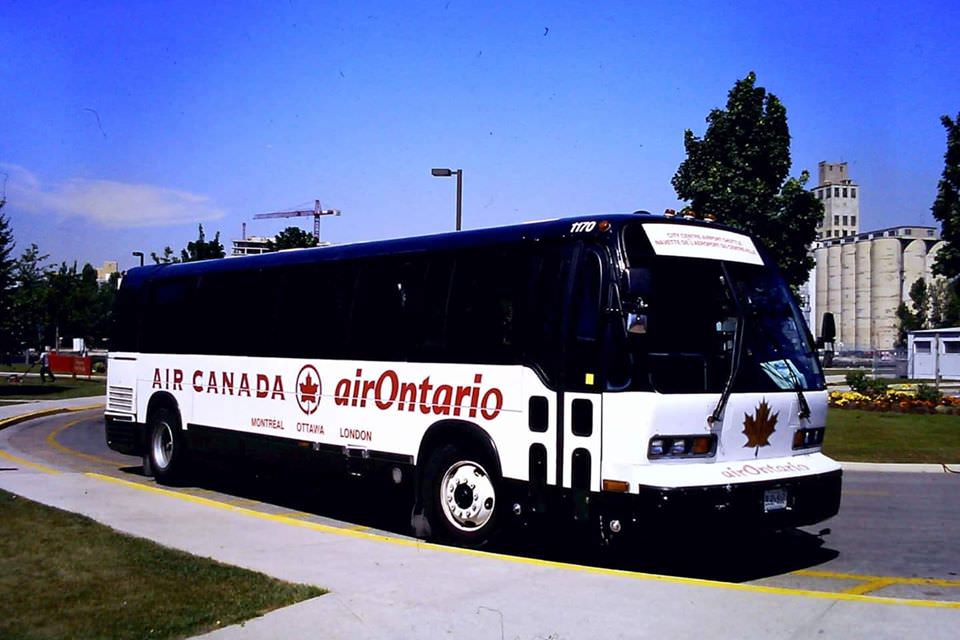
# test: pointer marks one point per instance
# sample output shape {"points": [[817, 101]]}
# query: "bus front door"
{"points": [[580, 418]]}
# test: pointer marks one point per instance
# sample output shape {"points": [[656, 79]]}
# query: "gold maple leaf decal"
{"points": [[759, 427]]}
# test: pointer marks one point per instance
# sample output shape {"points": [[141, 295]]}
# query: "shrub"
{"points": [[876, 387], [858, 381], [928, 393], [99, 367]]}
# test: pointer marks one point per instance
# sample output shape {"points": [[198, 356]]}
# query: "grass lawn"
{"points": [[65, 576], [65, 387], [873, 436]]}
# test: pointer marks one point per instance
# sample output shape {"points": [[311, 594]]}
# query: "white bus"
{"points": [[631, 370]]}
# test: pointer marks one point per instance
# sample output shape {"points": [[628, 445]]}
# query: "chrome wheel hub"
{"points": [[467, 496]]}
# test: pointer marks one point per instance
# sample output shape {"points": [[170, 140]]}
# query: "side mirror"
{"points": [[636, 323]]}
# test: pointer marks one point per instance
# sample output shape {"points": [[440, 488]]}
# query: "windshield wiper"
{"points": [[717, 414], [804, 408]]}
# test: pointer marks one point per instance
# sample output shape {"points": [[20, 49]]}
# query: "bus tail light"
{"points": [[692, 446], [806, 438]]}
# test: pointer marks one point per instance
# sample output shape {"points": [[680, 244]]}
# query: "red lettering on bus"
{"points": [[390, 375]]}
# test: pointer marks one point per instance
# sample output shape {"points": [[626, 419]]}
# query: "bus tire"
{"points": [[166, 446], [462, 497]]}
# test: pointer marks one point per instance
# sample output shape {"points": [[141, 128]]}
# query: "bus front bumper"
{"points": [[125, 435], [770, 504]]}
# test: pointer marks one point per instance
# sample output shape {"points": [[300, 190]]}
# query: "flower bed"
{"points": [[900, 399]]}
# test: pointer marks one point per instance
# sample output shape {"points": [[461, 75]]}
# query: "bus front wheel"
{"points": [[461, 500], [166, 449]]}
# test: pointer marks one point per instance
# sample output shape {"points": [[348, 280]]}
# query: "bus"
{"points": [[628, 370]]}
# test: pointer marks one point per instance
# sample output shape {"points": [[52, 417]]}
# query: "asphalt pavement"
{"points": [[396, 587]]}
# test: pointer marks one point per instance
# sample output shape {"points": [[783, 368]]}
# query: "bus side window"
{"points": [[169, 319], [428, 311], [483, 302], [545, 272], [384, 288], [328, 325]]}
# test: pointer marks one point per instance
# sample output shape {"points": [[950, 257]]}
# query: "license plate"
{"points": [[774, 500]]}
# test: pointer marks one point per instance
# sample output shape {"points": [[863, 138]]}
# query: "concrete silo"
{"points": [[885, 287]]}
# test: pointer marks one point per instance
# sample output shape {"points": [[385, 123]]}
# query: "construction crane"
{"points": [[316, 212]]}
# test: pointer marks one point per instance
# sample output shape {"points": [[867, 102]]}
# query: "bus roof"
{"points": [[452, 240]]}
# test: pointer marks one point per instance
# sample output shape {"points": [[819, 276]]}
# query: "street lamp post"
{"points": [[139, 254], [446, 173]]}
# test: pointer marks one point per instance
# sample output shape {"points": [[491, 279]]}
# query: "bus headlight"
{"points": [[692, 446]]}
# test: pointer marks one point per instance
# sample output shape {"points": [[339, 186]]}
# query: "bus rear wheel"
{"points": [[166, 448], [462, 498]]}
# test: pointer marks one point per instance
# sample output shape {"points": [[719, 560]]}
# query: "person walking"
{"points": [[45, 366]]}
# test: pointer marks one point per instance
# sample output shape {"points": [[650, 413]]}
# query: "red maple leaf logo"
{"points": [[308, 391], [759, 427]]}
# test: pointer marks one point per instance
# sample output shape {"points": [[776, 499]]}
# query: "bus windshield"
{"points": [[685, 316]]}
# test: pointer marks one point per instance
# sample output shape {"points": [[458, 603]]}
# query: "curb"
{"points": [[43, 413], [899, 467]]}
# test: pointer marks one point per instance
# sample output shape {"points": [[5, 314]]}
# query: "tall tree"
{"points": [[167, 257], [946, 208], [203, 249], [292, 238], [30, 300], [7, 267], [920, 297], [739, 172], [944, 304]]}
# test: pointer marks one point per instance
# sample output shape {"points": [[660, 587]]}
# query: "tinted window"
{"points": [[389, 291], [167, 320], [484, 312]]}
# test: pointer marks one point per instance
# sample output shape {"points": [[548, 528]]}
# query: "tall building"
{"points": [[861, 278], [841, 201], [109, 268], [250, 246]]}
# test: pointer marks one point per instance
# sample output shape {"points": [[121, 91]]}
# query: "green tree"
{"points": [[944, 304], [292, 238], [103, 316], [30, 298], [946, 208], [906, 322], [202, 249], [7, 284], [62, 311], [167, 257], [739, 172], [920, 298]]}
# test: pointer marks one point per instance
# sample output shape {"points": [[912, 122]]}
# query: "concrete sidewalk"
{"points": [[14, 412], [403, 588], [400, 588]]}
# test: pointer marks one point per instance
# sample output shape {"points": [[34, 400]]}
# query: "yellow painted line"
{"points": [[27, 463], [43, 413], [932, 582], [418, 544], [52, 441], [867, 587], [297, 514]]}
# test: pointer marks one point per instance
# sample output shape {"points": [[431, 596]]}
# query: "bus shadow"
{"points": [[386, 507], [722, 558]]}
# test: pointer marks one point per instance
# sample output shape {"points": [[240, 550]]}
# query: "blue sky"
{"points": [[123, 125]]}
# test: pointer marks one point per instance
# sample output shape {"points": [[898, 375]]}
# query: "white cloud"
{"points": [[112, 204]]}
